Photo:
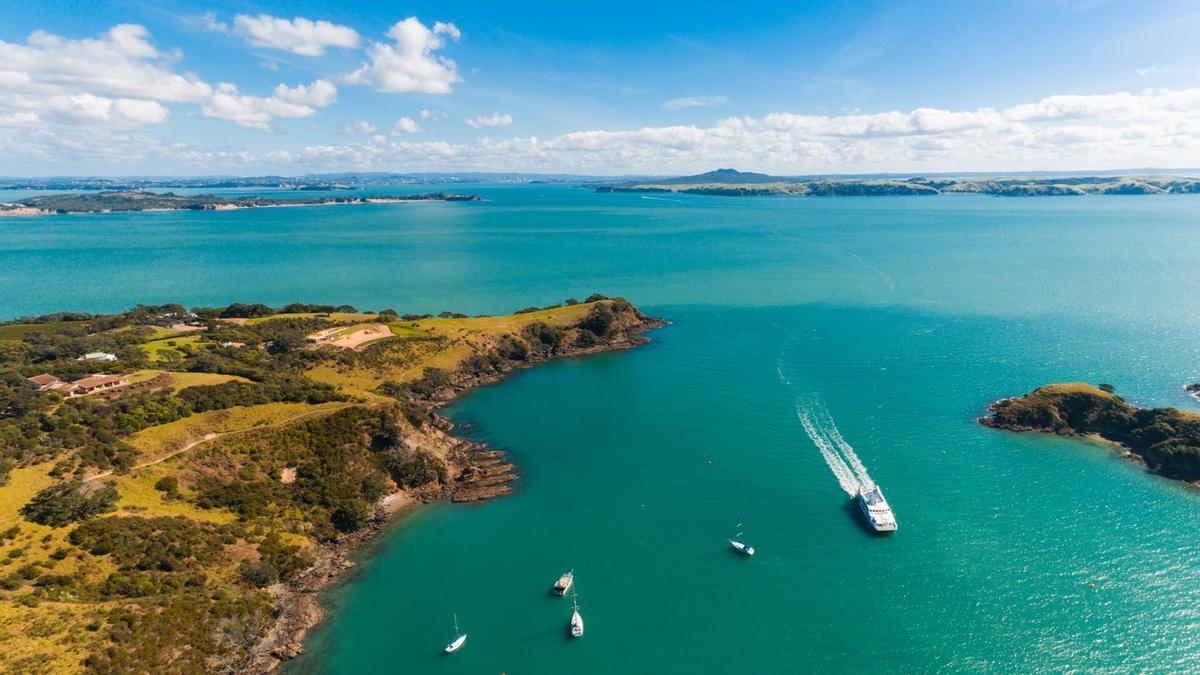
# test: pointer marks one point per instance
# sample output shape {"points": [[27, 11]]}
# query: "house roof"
{"points": [[97, 380], [43, 379]]}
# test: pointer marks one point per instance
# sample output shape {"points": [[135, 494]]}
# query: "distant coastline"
{"points": [[733, 183], [108, 202]]}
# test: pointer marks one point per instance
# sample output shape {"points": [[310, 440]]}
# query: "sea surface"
{"points": [[814, 343]]}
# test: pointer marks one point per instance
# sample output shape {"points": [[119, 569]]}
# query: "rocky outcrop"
{"points": [[1167, 440]]}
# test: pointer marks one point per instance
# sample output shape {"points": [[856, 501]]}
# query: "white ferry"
{"points": [[875, 509]]}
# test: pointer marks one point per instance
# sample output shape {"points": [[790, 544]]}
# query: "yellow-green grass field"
{"points": [[461, 337], [156, 348]]}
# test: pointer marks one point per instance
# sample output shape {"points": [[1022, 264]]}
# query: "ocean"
{"points": [[813, 343]]}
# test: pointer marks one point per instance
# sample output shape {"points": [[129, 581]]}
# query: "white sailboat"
{"points": [[738, 545], [459, 638], [576, 618]]}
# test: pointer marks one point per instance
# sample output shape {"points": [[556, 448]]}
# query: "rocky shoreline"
{"points": [[478, 473], [1165, 441]]}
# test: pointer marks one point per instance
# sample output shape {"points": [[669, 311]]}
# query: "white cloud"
{"points": [[120, 80], [434, 115], [410, 63], [257, 112], [1153, 70], [695, 102], [494, 120], [298, 36], [406, 125], [207, 21], [360, 127]]}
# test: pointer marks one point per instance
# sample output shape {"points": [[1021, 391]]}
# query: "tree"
{"points": [[66, 503]]}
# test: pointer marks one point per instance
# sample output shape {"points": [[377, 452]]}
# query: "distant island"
{"points": [[1166, 440], [733, 183], [177, 486], [106, 202]]}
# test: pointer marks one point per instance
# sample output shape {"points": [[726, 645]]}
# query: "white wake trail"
{"points": [[847, 451], [844, 475]]}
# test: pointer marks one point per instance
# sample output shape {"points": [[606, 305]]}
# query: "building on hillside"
{"points": [[43, 382], [92, 384], [97, 356]]}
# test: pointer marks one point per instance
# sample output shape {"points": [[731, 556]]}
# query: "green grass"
{"points": [[15, 332], [185, 380], [405, 331], [1074, 388], [156, 348]]}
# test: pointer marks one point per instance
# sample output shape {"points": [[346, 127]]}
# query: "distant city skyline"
{"points": [[239, 88]]}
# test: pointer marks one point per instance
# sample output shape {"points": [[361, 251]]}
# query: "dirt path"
{"points": [[215, 435], [354, 339]]}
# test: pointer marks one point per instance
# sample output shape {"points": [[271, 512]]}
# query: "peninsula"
{"points": [[1166, 440], [733, 183], [177, 486], [104, 202]]}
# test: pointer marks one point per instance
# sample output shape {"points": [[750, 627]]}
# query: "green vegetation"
{"points": [[140, 526], [64, 503], [1167, 439]]}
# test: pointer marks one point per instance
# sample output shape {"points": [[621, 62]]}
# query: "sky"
{"points": [[161, 87]]}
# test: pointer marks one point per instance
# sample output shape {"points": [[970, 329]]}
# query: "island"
{"points": [[110, 201], [734, 183], [178, 485], [1165, 440]]}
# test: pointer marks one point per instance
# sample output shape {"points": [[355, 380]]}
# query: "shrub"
{"points": [[168, 485], [66, 503], [414, 468], [599, 320], [258, 574]]}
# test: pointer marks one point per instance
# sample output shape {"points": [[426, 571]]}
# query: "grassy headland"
{"points": [[732, 183], [186, 521], [1167, 440]]}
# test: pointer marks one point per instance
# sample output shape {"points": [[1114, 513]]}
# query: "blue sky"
{"points": [[252, 87]]}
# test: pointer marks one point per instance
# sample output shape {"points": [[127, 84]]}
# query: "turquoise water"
{"points": [[895, 320]]}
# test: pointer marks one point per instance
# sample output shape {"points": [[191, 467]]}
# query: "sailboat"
{"points": [[459, 638], [738, 545], [576, 619]]}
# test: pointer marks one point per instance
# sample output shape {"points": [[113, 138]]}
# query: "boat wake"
{"points": [[845, 476], [845, 464]]}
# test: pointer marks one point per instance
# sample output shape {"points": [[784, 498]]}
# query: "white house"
{"points": [[97, 356]]}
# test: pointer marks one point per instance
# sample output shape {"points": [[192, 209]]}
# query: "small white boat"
{"points": [[875, 509], [564, 583], [738, 545], [459, 638], [576, 624]]}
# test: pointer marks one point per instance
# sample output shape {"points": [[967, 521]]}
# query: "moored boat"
{"points": [[459, 638], [564, 583], [738, 545], [576, 625]]}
